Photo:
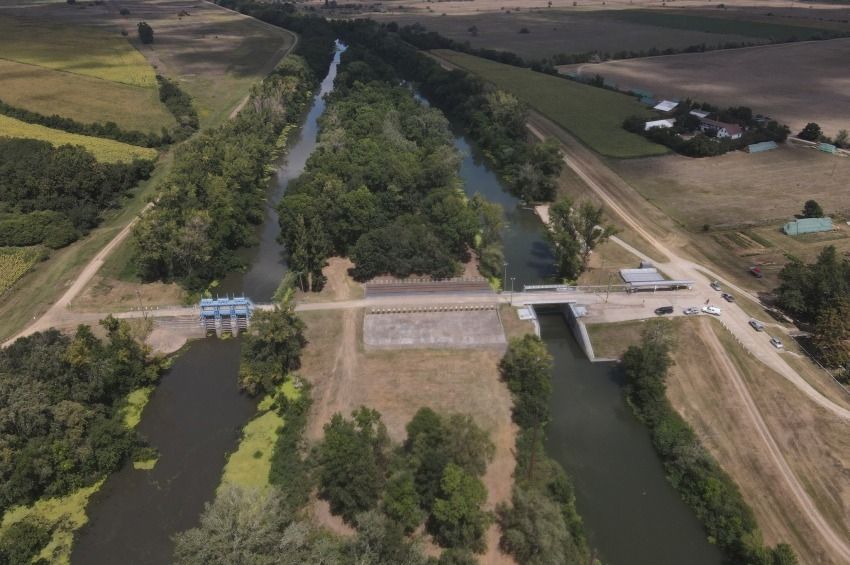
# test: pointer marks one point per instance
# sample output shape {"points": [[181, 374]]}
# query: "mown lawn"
{"points": [[593, 115], [105, 150]]}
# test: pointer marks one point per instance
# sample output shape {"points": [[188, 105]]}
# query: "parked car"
{"points": [[755, 270], [776, 342], [713, 310], [715, 285], [728, 297], [664, 310], [690, 311], [758, 326]]}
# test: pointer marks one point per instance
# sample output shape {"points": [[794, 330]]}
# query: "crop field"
{"points": [[105, 150], [15, 262], [215, 54], [592, 114], [78, 49], [757, 77], [82, 98], [555, 32]]}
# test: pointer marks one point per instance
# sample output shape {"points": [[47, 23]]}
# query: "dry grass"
{"points": [[610, 341], [105, 150], [813, 442], [397, 383], [82, 98], [514, 327], [795, 83]]}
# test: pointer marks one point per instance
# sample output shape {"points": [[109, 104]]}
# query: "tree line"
{"points": [[817, 294], [213, 197], [541, 525], [52, 195], [178, 103], [382, 186], [700, 481], [495, 120], [61, 426]]}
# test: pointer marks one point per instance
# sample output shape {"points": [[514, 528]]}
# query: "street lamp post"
{"points": [[505, 277], [512, 290]]}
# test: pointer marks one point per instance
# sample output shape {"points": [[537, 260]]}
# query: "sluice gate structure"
{"points": [[226, 315]]}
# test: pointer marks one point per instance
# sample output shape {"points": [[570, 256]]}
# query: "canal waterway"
{"points": [[196, 414], [632, 515]]}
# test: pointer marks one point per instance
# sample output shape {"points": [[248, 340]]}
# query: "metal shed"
{"points": [[761, 147], [807, 225]]}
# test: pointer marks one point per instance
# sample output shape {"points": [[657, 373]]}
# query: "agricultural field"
{"points": [[214, 53], [105, 150], [757, 77], [593, 115], [555, 32], [78, 71], [741, 189], [82, 98], [15, 262]]}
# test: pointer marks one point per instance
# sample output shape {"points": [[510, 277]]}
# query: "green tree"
{"points": [[533, 530], [381, 541], [401, 501], [526, 368], [457, 519], [811, 209], [145, 33], [21, 541], [811, 132], [272, 349], [573, 234], [309, 252], [353, 459], [842, 138], [832, 332]]}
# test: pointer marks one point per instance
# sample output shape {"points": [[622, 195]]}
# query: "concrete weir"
{"points": [[433, 327]]}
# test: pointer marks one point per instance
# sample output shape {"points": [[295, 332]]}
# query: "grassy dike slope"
{"points": [[594, 115]]}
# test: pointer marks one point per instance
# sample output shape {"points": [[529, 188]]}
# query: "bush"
{"points": [[22, 541], [145, 33]]}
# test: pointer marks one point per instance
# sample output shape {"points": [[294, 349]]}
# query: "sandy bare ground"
{"points": [[791, 468], [794, 83]]}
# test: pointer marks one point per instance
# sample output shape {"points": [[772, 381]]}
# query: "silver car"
{"points": [[776, 342]]}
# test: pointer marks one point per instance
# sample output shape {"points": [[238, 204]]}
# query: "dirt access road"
{"points": [[597, 175]]}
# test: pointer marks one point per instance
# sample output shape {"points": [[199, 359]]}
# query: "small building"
{"points": [[699, 113], [807, 225], [666, 106], [827, 148], [761, 147], [668, 123], [721, 130]]}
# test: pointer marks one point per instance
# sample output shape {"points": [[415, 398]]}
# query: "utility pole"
{"points": [[505, 277], [512, 290]]}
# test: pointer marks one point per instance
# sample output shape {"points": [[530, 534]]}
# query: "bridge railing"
{"points": [[575, 288]]}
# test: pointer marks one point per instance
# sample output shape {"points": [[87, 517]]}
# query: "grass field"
{"points": [[105, 150], [76, 49], [757, 77], [592, 114], [610, 341], [15, 262], [82, 98]]}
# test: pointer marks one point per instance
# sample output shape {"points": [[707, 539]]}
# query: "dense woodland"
{"points": [[60, 422], [382, 186], [53, 195], [817, 294], [213, 197], [495, 120], [702, 484]]}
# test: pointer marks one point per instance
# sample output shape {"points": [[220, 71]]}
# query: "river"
{"points": [[632, 515], [195, 416]]}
